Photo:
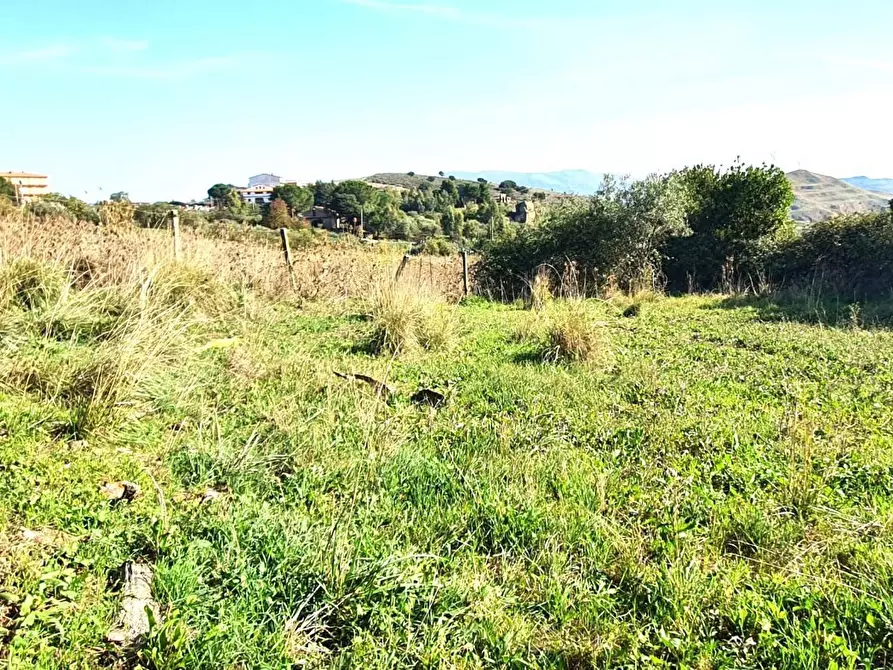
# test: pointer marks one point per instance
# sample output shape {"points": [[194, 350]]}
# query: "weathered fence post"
{"points": [[286, 251], [465, 272], [175, 227], [402, 267]]}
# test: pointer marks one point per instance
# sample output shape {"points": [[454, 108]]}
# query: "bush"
{"points": [[438, 246], [732, 215], [614, 236], [851, 256], [47, 209]]}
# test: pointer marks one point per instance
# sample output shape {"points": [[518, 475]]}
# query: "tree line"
{"points": [[462, 211], [703, 228]]}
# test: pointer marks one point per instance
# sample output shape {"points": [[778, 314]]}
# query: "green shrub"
{"points": [[438, 246], [850, 256]]}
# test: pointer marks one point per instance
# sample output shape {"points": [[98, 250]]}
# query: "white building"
{"points": [[265, 179], [256, 195], [260, 188]]}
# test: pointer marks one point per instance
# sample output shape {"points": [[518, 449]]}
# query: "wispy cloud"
{"points": [[862, 63], [471, 17], [434, 10], [115, 57], [171, 71], [123, 45], [38, 55]]}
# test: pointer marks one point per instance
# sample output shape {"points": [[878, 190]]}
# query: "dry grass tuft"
{"points": [[406, 318], [573, 335], [29, 284], [540, 291]]}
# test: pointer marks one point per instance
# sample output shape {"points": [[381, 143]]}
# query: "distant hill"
{"points": [[581, 182], [820, 197], [884, 186]]}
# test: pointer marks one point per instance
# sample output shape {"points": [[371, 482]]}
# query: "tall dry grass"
{"points": [[109, 310], [126, 255]]}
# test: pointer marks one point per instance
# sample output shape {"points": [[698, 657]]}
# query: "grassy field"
{"points": [[710, 488]]}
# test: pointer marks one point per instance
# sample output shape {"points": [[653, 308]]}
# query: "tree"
{"points": [[440, 173], [323, 192], [450, 191], [120, 196], [618, 233], [410, 174], [276, 215], [451, 222], [732, 212], [508, 185], [539, 195], [225, 196], [298, 198], [7, 190], [481, 180]]}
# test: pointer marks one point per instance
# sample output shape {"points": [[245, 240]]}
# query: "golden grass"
{"points": [[126, 255], [406, 317], [569, 332], [540, 290]]}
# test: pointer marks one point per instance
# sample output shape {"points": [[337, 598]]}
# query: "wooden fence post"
{"points": [[402, 267], [465, 273], [175, 226], [286, 251]]}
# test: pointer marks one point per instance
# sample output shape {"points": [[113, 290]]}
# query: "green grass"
{"points": [[716, 493]]}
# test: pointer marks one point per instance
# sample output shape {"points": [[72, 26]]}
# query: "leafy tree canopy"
{"points": [[298, 198], [7, 190]]}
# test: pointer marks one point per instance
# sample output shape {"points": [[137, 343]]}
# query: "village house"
{"points": [[260, 188], [27, 185], [320, 217], [256, 195]]}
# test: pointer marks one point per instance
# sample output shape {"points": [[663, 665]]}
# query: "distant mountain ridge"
{"points": [[884, 186], [820, 197], [580, 182]]}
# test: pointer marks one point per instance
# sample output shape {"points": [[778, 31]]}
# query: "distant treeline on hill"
{"points": [[404, 207]]}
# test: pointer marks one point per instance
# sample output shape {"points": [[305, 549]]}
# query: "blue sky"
{"points": [[164, 98]]}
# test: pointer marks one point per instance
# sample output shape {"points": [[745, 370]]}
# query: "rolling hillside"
{"points": [[820, 197]]}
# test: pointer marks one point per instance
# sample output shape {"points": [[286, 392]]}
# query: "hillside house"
{"points": [[320, 217], [256, 195], [27, 185]]}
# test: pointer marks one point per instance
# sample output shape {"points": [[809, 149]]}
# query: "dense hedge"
{"points": [[851, 256]]}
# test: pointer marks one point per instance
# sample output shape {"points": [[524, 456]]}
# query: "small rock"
{"points": [[210, 496], [132, 623], [120, 491]]}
